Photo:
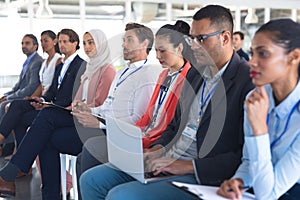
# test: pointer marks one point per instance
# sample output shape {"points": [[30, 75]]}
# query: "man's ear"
{"points": [[75, 44], [145, 44], [226, 35]]}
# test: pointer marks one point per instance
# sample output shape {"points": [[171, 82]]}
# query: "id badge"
{"points": [[190, 131], [110, 100]]}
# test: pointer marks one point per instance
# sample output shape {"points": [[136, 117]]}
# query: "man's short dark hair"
{"points": [[220, 17], [241, 34], [143, 33], [34, 40], [72, 35]]}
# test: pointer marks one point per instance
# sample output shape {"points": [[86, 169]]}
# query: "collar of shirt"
{"points": [[69, 59], [284, 108], [135, 65], [29, 58], [207, 74]]}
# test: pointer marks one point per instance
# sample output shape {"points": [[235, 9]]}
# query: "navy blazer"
{"points": [[220, 135], [71, 81]]}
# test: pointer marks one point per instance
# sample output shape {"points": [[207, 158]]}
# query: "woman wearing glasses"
{"points": [[271, 156]]}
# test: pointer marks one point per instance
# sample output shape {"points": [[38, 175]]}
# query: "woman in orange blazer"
{"points": [[174, 54]]}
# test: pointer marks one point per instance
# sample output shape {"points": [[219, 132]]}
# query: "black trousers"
{"points": [[292, 194], [18, 118], [52, 132]]}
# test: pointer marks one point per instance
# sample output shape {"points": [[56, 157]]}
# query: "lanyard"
{"points": [[203, 101], [164, 88], [121, 81], [286, 124], [62, 74]]}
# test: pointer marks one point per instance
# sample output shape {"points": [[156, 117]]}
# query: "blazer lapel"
{"points": [[223, 87], [189, 91], [68, 72]]}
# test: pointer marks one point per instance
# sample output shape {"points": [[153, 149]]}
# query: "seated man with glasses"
{"points": [[200, 38], [203, 143]]}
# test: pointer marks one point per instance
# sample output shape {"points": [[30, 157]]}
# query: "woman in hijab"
{"points": [[60, 131], [99, 71]]}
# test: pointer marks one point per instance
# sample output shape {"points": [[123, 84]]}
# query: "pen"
{"points": [[240, 187], [76, 105]]}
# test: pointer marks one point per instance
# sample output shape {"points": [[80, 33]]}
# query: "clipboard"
{"points": [[205, 191], [100, 118], [186, 190], [55, 105]]}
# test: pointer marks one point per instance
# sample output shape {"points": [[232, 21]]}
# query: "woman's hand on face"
{"points": [[257, 105]]}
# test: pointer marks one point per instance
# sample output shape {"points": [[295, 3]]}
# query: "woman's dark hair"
{"points": [[176, 34], [284, 33], [53, 36]]}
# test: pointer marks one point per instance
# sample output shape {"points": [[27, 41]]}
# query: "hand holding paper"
{"points": [[206, 192]]}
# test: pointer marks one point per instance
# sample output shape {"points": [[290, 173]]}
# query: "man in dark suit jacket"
{"points": [[203, 143], [66, 78], [238, 40], [29, 77]]}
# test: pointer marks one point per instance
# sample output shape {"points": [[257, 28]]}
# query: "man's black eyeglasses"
{"points": [[200, 38]]}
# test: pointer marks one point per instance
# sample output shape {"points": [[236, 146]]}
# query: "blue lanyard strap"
{"points": [[286, 124], [62, 74], [121, 81], [203, 101], [164, 88]]}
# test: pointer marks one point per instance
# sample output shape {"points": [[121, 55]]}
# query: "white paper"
{"points": [[209, 192]]}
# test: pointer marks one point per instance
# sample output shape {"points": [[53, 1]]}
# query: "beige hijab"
{"points": [[102, 57]]}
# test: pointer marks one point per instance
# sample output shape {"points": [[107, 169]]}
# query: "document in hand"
{"points": [[54, 105], [100, 118], [206, 192]]}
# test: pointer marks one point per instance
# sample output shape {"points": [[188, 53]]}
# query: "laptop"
{"points": [[125, 150]]}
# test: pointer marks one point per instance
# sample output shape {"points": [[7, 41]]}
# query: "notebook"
{"points": [[205, 192], [125, 150]]}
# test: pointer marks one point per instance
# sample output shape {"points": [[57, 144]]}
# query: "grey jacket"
{"points": [[27, 84]]}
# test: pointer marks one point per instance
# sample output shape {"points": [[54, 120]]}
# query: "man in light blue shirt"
{"points": [[29, 76]]}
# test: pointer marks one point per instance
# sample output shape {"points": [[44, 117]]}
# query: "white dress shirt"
{"points": [[130, 92]]}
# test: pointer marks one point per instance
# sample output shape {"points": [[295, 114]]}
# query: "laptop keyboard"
{"points": [[151, 175]]}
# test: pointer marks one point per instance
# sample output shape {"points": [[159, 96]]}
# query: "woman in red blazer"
{"points": [[174, 54]]}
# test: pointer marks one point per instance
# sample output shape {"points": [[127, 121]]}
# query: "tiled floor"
{"points": [[27, 187]]}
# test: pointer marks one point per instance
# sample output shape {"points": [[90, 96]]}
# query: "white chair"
{"points": [[69, 160]]}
